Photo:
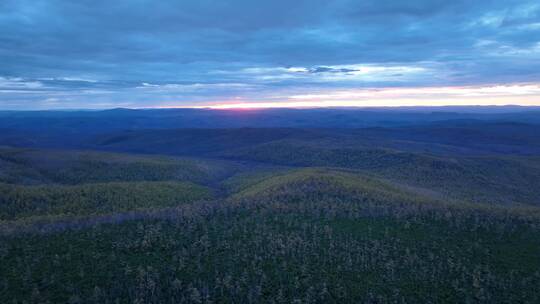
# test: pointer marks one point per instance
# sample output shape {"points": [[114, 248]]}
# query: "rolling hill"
{"points": [[178, 206], [45, 166], [313, 235]]}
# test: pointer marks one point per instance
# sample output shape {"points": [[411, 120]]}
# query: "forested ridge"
{"points": [[286, 216], [18, 202], [274, 250]]}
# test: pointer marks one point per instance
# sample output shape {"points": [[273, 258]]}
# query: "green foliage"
{"points": [[227, 253], [508, 180], [244, 180], [320, 184], [304, 235], [17, 202], [30, 166]]}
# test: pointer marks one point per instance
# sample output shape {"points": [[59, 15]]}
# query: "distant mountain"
{"points": [[128, 119]]}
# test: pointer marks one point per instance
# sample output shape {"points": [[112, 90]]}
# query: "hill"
{"points": [[45, 166], [123, 119], [312, 235], [335, 206], [509, 180], [437, 129], [50, 202], [441, 138]]}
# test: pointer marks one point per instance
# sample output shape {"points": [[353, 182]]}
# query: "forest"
{"points": [[427, 208]]}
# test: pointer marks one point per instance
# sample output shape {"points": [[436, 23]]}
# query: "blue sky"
{"points": [[101, 54]]}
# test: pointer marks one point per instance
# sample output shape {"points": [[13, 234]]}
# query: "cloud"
{"points": [[196, 51], [16, 83]]}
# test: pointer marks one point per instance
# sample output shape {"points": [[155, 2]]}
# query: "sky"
{"points": [[63, 54]]}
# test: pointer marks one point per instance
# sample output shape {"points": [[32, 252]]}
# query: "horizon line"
{"points": [[258, 106]]}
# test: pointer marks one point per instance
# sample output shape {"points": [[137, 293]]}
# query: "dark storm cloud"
{"points": [[95, 53]]}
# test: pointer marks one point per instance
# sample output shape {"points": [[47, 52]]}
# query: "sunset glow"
{"points": [[523, 94], [58, 55]]}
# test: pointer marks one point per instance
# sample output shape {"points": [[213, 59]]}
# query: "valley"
{"points": [[312, 215]]}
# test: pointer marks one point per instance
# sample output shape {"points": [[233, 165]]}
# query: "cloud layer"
{"points": [[139, 53]]}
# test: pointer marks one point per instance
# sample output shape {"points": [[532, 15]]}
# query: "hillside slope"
{"points": [[38, 166], [34, 202], [507, 180], [314, 235]]}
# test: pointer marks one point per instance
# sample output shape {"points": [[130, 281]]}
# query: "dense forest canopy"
{"points": [[439, 211]]}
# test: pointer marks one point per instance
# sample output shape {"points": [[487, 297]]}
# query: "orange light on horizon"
{"points": [[494, 95]]}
